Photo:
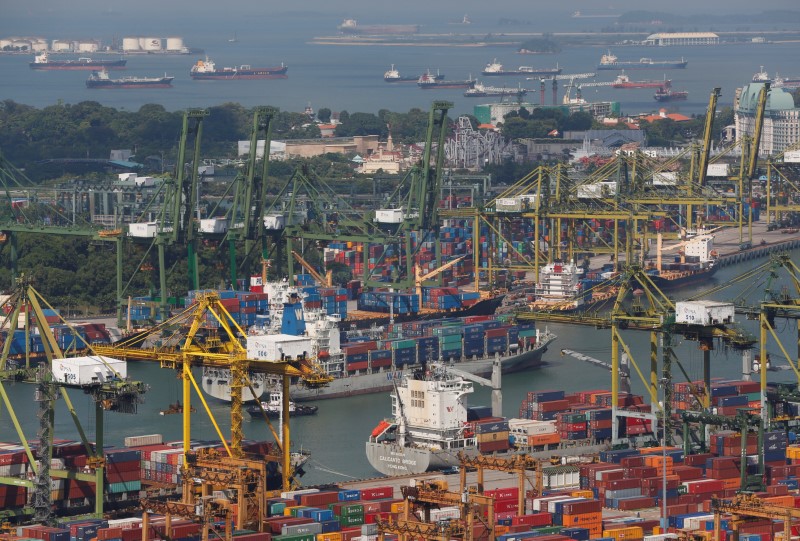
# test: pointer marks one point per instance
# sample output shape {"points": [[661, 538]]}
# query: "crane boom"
{"points": [[759, 125], [326, 281], [710, 112]]}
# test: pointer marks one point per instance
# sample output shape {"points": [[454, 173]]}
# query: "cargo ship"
{"points": [[207, 70], [364, 361], [428, 80], [393, 76], [351, 26], [623, 81], [43, 62], [696, 264], [482, 91], [100, 79], [563, 287], [667, 94], [494, 69], [610, 62], [274, 408]]}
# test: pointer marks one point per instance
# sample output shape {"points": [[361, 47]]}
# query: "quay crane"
{"points": [[111, 393], [180, 345], [518, 464], [748, 506]]}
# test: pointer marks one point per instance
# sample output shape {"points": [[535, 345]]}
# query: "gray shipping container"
{"points": [[312, 528]]}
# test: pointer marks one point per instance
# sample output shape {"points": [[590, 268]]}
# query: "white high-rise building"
{"points": [[781, 118]]}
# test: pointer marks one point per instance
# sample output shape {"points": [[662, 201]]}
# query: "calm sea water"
{"points": [[350, 77], [336, 435]]}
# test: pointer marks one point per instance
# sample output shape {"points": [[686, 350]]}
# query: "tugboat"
{"points": [[274, 407], [667, 94], [393, 76]]}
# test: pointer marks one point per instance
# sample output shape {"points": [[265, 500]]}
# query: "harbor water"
{"points": [[336, 434], [350, 77]]}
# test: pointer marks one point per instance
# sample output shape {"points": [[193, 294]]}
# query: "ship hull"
{"points": [[67, 65], [640, 84], [128, 84], [532, 73], [665, 284], [259, 73], [384, 380], [401, 79], [393, 460], [256, 412], [641, 66], [446, 84], [484, 307]]}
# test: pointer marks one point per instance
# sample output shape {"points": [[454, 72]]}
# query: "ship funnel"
{"points": [[293, 321]]}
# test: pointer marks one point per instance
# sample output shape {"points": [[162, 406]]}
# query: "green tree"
{"points": [[324, 115]]}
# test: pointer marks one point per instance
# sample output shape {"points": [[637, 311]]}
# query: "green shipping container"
{"points": [[125, 486], [276, 508], [451, 347], [527, 333], [294, 510], [404, 344], [353, 520], [350, 510], [306, 537], [450, 339], [548, 530]]}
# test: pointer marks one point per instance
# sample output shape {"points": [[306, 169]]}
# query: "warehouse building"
{"points": [[682, 38]]}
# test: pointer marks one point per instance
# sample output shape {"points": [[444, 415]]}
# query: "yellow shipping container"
{"points": [[627, 533], [588, 494], [793, 451], [287, 511], [398, 507], [332, 536]]}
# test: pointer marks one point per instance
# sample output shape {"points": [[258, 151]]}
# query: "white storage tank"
{"points": [[174, 44], [88, 47], [22, 44], [38, 46], [151, 44], [131, 44], [5, 43], [61, 46], [88, 370]]}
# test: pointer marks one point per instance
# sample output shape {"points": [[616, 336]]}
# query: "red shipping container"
{"points": [[377, 493], [705, 486], [534, 520]]}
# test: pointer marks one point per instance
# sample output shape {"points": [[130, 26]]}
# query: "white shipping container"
{"points": [[445, 513], [561, 479], [147, 439], [389, 216], [273, 347], [660, 537], [274, 221], [146, 230], [88, 370], [717, 170], [590, 191], [791, 156], [13, 470], [665, 178], [704, 312], [213, 225]]}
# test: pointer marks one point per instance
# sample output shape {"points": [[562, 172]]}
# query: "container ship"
{"points": [[610, 62], [207, 70], [427, 80], [393, 76], [667, 94], [623, 81], [494, 69], [696, 264], [44, 62], [351, 26], [564, 288], [100, 79], [482, 91], [368, 360]]}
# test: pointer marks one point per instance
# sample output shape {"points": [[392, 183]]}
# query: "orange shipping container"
{"points": [[627, 533], [582, 520], [544, 439], [332, 536], [781, 501], [733, 482]]}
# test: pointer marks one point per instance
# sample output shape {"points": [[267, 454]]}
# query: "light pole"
{"points": [[664, 382]]}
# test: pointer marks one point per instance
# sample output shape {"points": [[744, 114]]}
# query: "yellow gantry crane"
{"points": [[187, 348], [745, 506], [519, 464]]}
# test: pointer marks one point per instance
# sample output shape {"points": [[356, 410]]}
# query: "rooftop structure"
{"points": [[663, 39]]}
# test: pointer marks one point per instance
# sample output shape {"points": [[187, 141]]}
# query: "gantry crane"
{"points": [[425, 495], [518, 464], [112, 394], [746, 506], [188, 347]]}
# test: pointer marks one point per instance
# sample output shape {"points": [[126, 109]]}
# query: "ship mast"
{"points": [[401, 417]]}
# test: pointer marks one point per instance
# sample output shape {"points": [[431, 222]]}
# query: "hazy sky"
{"points": [[411, 9]]}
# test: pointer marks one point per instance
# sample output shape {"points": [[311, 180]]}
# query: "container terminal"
{"points": [[724, 466]]}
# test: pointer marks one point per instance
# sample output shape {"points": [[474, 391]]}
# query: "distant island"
{"points": [[765, 17], [539, 45]]}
